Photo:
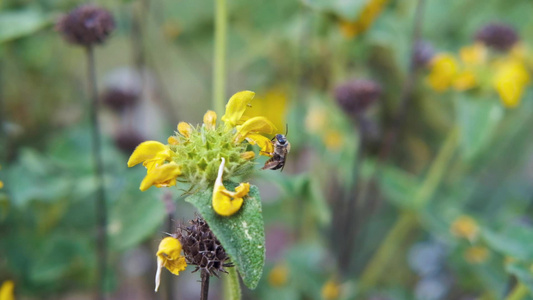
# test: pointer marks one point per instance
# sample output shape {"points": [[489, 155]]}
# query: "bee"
{"points": [[281, 149]]}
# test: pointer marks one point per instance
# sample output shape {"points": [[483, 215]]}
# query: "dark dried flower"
{"points": [[86, 25], [118, 98], [499, 36], [201, 247], [357, 95], [128, 140], [423, 53]]}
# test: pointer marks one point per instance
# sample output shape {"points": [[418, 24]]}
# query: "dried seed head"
{"points": [[86, 25], [423, 53], [119, 98], [357, 95], [499, 36], [201, 247]]}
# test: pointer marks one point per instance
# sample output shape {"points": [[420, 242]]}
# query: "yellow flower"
{"points": [[154, 156], [169, 256], [226, 203], [444, 68], [331, 290], [235, 108], [510, 79], [1, 184], [473, 55], [279, 275], [6, 290], [185, 129], [465, 80], [333, 140], [273, 106], [476, 254], [465, 227]]}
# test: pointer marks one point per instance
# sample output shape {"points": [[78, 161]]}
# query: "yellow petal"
{"points": [[210, 119], [236, 106], [254, 125], [169, 256], [465, 80], [223, 204], [185, 129], [6, 290], [510, 80], [145, 151], [164, 175], [267, 148], [2, 183], [465, 227], [475, 54]]}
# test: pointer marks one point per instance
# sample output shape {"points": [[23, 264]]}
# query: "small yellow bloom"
{"points": [[248, 155], [7, 290], [210, 120], [185, 129], [444, 68], [476, 254], [1, 184], [510, 79], [169, 256], [465, 80], [333, 140], [161, 176], [172, 140], [331, 290], [465, 227], [316, 119], [235, 108], [226, 203], [150, 153], [474, 55], [279, 275]]}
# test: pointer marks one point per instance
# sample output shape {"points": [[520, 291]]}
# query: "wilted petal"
{"points": [[236, 106], [146, 151], [169, 256], [226, 203]]}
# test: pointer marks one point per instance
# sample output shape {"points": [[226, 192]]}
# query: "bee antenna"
{"points": [[286, 129]]}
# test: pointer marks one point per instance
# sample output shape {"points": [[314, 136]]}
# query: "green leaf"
{"points": [[242, 235], [399, 186], [346, 9], [522, 272], [478, 119], [16, 24], [515, 241]]}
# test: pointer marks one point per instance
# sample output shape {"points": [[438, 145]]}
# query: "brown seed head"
{"points": [[201, 247], [86, 25], [499, 36], [357, 95]]}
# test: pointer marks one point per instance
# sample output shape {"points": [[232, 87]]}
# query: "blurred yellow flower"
{"points": [[473, 55], [7, 290], [226, 203], [510, 80], [279, 275], [316, 119], [169, 256], [444, 68], [367, 16], [465, 227], [273, 106], [465, 80], [333, 140], [476, 254], [331, 290], [1, 184]]}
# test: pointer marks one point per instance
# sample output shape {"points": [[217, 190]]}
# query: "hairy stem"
{"points": [[205, 285], [101, 210], [219, 70], [232, 287]]}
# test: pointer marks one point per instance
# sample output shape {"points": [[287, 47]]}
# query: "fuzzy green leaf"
{"points": [[242, 234]]}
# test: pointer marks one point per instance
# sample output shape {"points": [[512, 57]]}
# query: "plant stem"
{"points": [[407, 220], [219, 70], [232, 286], [518, 292], [205, 285], [101, 210]]}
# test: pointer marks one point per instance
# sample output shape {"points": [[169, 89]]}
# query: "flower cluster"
{"points": [[201, 155], [494, 63]]}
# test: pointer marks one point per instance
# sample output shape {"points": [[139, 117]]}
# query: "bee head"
{"points": [[281, 139]]}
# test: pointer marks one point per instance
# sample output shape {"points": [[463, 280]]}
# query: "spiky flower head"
{"points": [[357, 95], [202, 248], [86, 25], [499, 36]]}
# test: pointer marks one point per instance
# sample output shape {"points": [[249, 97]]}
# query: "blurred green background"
{"points": [[445, 214]]}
